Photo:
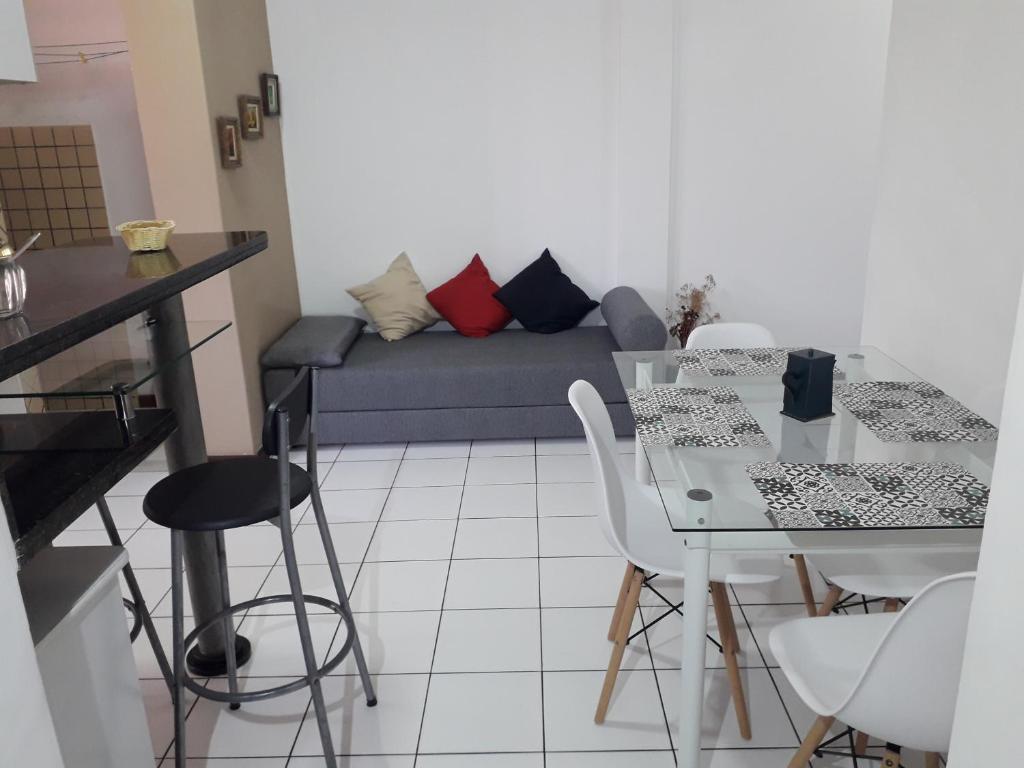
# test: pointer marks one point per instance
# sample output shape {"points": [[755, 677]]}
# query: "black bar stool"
{"points": [[220, 495]]}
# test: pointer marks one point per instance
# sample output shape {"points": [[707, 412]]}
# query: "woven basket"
{"points": [[146, 235]]}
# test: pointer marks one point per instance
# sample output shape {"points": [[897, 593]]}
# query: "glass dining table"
{"points": [[725, 476]]}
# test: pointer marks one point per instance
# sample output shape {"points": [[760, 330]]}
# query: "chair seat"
{"points": [[824, 658], [891, 575], [223, 494], [652, 545]]}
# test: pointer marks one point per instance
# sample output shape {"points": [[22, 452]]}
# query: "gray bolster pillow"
{"points": [[318, 341], [633, 324]]}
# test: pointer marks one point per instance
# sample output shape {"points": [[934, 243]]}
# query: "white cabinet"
{"points": [[73, 603], [15, 49]]}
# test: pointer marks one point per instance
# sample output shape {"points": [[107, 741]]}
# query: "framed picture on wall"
{"points": [[250, 115], [270, 89], [228, 132]]}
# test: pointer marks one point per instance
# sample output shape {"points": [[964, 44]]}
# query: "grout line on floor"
{"points": [[764, 660], [657, 683], [349, 588], [309, 703], [440, 618], [540, 612]]}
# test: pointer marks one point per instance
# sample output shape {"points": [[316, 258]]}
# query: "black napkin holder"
{"points": [[808, 385]]}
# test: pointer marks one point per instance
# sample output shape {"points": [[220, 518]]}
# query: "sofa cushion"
{"points": [[543, 298], [396, 301], [631, 321], [467, 302], [313, 340], [441, 369]]}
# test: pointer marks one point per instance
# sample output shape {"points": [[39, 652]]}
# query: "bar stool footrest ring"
{"points": [[278, 690]]}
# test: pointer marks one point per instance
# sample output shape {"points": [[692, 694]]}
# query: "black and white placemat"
{"points": [[870, 494], [913, 411], [750, 361], [709, 417]]}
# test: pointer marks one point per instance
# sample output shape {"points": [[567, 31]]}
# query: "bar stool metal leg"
{"points": [[339, 586], [301, 619], [136, 593], [308, 654], [178, 621], [228, 623]]}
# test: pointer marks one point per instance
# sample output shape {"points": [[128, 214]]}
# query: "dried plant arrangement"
{"points": [[692, 309]]}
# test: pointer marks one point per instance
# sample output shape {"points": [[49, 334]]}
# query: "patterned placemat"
{"points": [[870, 495], [913, 411], [751, 361], [687, 416]]}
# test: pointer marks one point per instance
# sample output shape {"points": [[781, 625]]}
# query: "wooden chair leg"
{"points": [[834, 593], [811, 741], [891, 758], [805, 585], [727, 631], [861, 745], [621, 636], [623, 590], [731, 618], [931, 760]]}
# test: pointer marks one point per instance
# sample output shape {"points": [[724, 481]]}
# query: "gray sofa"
{"points": [[439, 385]]}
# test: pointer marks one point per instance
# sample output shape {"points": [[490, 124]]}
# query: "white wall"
{"points": [[445, 128], [15, 51], [503, 127], [946, 260], [992, 679], [779, 107], [99, 93], [944, 289]]}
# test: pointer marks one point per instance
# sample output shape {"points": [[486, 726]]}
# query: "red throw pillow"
{"points": [[467, 302]]}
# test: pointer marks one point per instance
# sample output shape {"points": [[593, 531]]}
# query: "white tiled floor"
{"points": [[482, 589]]}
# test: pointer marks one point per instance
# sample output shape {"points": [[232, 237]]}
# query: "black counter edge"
{"points": [[51, 526]]}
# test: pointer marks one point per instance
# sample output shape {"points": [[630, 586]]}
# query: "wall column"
{"points": [[191, 60]]}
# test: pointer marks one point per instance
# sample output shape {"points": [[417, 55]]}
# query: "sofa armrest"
{"points": [[633, 324], [322, 342]]}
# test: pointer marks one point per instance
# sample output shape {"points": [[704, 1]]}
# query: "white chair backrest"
{"points": [[735, 335], [907, 692], [601, 438]]}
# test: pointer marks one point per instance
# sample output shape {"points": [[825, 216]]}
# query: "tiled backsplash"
{"points": [[50, 183]]}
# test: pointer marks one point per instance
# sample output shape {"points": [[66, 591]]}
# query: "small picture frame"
{"points": [[250, 116], [270, 89], [229, 134]]}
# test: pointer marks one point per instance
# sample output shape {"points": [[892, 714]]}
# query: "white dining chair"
{"points": [[730, 336], [884, 577], [633, 519], [893, 675]]}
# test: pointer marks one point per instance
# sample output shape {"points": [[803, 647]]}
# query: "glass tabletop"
{"points": [[736, 504]]}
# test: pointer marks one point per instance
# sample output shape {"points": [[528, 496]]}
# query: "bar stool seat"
{"points": [[219, 495]]}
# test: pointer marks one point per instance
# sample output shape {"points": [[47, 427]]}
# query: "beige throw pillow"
{"points": [[396, 301]]}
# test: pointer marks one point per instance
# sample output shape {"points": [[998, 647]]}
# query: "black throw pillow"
{"points": [[543, 298]]}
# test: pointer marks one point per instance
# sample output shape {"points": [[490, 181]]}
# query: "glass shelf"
{"points": [[119, 360]]}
